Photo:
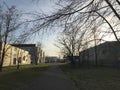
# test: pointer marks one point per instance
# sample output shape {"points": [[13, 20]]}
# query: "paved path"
{"points": [[52, 79]]}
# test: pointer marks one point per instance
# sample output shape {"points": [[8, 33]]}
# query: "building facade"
{"points": [[37, 55], [22, 54], [108, 54], [14, 55], [51, 59]]}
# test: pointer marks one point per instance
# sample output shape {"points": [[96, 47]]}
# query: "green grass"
{"points": [[12, 78], [94, 78]]}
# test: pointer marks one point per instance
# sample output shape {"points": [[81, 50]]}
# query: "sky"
{"points": [[46, 6]]}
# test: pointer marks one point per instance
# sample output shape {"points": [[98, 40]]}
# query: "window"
{"points": [[24, 58], [14, 61]]}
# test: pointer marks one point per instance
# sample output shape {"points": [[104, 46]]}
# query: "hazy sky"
{"points": [[46, 6]]}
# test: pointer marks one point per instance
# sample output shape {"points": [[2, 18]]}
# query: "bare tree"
{"points": [[81, 13], [70, 41], [85, 14], [9, 24]]}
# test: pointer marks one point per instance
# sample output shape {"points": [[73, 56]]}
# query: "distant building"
{"points": [[50, 59], [108, 53], [37, 55]]}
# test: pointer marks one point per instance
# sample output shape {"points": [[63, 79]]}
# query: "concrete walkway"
{"points": [[52, 79]]}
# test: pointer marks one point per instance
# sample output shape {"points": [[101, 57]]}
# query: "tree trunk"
{"points": [[2, 57], [18, 65], [96, 56]]}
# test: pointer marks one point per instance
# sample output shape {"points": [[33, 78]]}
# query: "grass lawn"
{"points": [[11, 78], [94, 78]]}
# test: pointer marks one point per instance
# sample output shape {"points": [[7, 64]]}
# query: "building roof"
{"points": [[24, 45], [112, 44]]}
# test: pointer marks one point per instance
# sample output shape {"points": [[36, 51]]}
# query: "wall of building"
{"points": [[37, 55], [107, 54], [23, 54], [40, 55], [14, 55]]}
